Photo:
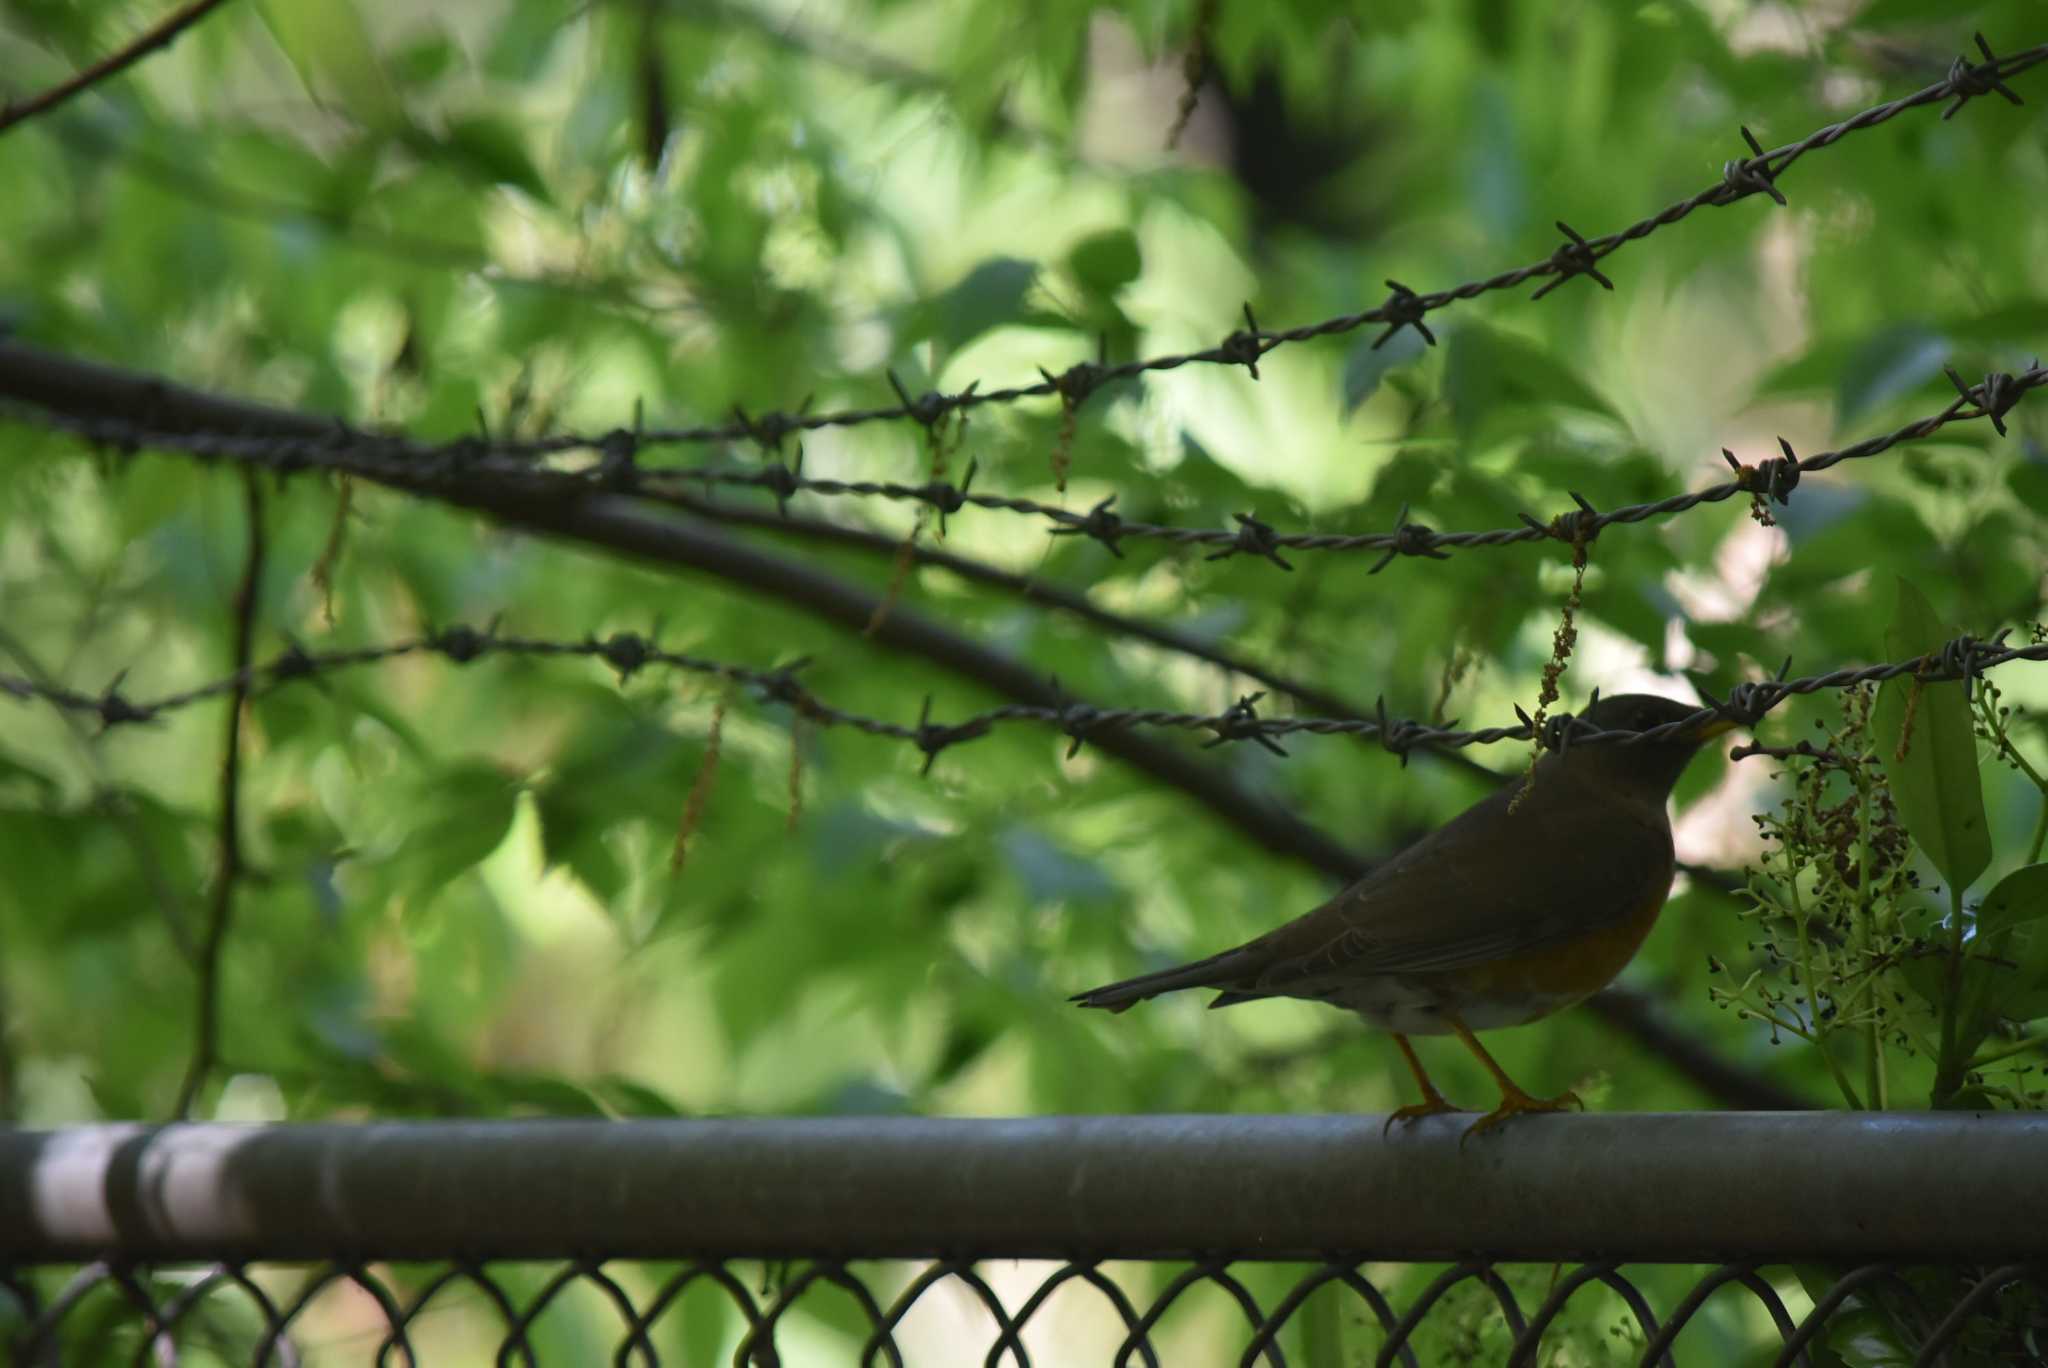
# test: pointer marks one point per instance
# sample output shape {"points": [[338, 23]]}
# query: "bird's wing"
{"points": [[1486, 885]]}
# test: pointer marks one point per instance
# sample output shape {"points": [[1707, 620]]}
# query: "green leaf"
{"points": [[1106, 262], [2008, 954], [2028, 481], [2018, 898], [629, 1098], [1932, 768], [1051, 874], [13, 773], [524, 37], [1862, 1331], [493, 150], [1321, 1322], [988, 296], [331, 49], [1490, 372], [464, 813], [1366, 365], [1889, 365]]}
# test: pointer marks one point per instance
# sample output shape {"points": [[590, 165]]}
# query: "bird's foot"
{"points": [[1519, 1103], [1433, 1104]]}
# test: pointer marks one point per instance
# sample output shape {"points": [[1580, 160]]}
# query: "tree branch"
{"points": [[220, 916], [150, 41]]}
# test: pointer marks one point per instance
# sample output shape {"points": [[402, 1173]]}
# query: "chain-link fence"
{"points": [[1721, 1238]]}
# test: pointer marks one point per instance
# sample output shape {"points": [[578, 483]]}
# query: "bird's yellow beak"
{"points": [[1720, 726]]}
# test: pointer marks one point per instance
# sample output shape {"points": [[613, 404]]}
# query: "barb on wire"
{"points": [[1774, 479], [413, 464], [1963, 658], [1741, 178]]}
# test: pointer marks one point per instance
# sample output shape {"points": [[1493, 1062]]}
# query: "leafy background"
{"points": [[541, 215]]}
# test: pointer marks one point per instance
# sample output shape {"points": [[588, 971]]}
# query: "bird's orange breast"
{"points": [[1574, 967]]}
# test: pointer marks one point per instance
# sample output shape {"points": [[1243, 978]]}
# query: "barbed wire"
{"points": [[1577, 255], [354, 451], [1963, 658], [1774, 479]]}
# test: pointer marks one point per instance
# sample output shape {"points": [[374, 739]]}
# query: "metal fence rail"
{"points": [[1928, 1233]]}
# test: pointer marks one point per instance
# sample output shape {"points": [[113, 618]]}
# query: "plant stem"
{"points": [[2018, 1047], [1948, 1073], [1996, 724], [1867, 931], [1818, 1037]]}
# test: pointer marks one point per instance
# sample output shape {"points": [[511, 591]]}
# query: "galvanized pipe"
{"points": [[1924, 1187]]}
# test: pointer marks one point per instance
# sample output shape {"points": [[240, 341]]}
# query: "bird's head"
{"points": [[1648, 767]]}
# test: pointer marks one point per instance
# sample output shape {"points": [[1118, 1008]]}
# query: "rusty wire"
{"points": [[1576, 255], [1963, 658], [178, 1307]]}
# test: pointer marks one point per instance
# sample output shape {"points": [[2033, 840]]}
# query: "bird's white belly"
{"points": [[1413, 1006]]}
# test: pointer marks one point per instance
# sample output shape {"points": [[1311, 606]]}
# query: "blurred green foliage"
{"points": [[459, 898]]}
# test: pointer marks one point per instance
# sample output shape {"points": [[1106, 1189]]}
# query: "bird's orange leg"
{"points": [[1433, 1103], [1513, 1101]]}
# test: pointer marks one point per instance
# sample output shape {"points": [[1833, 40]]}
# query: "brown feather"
{"points": [[1583, 855]]}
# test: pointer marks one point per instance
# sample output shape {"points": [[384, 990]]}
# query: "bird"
{"points": [[1529, 901]]}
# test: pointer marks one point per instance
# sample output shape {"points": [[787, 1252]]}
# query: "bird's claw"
{"points": [[1520, 1104], [1433, 1105]]}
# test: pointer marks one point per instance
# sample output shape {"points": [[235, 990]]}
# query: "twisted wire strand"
{"points": [[1963, 658], [1741, 178], [411, 464]]}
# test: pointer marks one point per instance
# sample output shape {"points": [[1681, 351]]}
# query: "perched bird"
{"points": [[1515, 908]]}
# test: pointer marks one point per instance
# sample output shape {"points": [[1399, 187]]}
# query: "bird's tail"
{"points": [[1226, 970]]}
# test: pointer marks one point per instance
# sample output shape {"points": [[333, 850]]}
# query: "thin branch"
{"points": [[113, 63], [10, 1062], [206, 1039]]}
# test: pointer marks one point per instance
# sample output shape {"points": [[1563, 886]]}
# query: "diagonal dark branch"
{"points": [[618, 525], [621, 525], [112, 64], [220, 915]]}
